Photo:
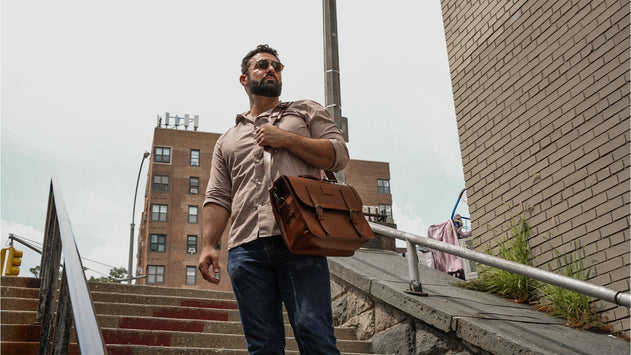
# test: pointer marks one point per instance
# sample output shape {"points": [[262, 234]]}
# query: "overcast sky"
{"points": [[83, 82]]}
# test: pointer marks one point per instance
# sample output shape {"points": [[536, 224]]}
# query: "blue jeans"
{"points": [[264, 274]]}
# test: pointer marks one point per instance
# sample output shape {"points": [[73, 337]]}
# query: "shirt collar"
{"points": [[246, 116], [241, 117]]}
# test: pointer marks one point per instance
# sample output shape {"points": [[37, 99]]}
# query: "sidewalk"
{"points": [[487, 321]]}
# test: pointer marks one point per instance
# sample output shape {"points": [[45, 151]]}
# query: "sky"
{"points": [[83, 81]]}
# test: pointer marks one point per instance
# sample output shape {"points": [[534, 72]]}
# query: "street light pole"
{"points": [[133, 212]]}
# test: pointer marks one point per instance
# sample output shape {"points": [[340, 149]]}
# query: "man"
{"points": [[264, 273]]}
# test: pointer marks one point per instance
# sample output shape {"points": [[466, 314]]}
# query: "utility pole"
{"points": [[333, 101]]}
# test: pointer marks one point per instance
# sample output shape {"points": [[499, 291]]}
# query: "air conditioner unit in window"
{"points": [[194, 190], [194, 164], [192, 250]]}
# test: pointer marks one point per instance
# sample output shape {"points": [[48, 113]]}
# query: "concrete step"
{"points": [[210, 299], [29, 333], [25, 348], [116, 297], [17, 317], [30, 282], [154, 323], [34, 283], [15, 291], [159, 291], [203, 326], [19, 304], [206, 340], [166, 311]]}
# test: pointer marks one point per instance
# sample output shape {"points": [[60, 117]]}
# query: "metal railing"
{"points": [[586, 288], [74, 297]]}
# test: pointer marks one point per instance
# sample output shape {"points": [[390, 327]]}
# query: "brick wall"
{"points": [[363, 176], [541, 90], [176, 258]]}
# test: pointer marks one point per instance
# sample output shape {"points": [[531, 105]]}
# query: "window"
{"points": [[162, 155], [192, 214], [159, 213], [160, 183], [155, 274], [194, 157], [386, 210], [190, 275], [191, 244], [383, 186], [157, 242], [193, 185]]}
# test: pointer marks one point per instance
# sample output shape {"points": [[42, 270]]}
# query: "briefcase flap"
{"points": [[327, 195]]}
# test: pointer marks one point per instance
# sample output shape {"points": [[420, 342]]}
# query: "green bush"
{"points": [[512, 246], [562, 303]]}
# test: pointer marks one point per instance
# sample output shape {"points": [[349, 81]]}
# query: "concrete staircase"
{"points": [[146, 320]]}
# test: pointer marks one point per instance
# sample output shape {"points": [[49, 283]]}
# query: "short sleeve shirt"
{"points": [[237, 175]]}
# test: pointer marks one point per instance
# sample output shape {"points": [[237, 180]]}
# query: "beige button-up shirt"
{"points": [[237, 174]]}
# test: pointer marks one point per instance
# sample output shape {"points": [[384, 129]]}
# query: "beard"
{"points": [[265, 88]]}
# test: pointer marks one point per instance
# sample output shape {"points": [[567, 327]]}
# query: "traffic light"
{"points": [[13, 261]]}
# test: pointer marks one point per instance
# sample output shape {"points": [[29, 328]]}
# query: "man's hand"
{"points": [[271, 136], [316, 152], [209, 257]]}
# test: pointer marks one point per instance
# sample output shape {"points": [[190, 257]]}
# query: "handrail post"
{"points": [[415, 286], [412, 257]]}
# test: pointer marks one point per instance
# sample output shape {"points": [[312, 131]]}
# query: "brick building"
{"points": [[541, 91], [171, 228]]}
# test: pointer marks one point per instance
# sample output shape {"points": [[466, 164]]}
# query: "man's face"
{"points": [[262, 82]]}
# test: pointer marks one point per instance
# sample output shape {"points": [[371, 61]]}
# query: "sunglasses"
{"points": [[264, 64]]}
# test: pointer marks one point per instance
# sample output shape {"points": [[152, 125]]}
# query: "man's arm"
{"points": [[215, 219], [318, 152]]}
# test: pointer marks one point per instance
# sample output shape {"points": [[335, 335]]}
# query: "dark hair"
{"points": [[261, 48]]}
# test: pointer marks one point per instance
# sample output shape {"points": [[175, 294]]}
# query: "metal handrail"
{"points": [[74, 297], [586, 288]]}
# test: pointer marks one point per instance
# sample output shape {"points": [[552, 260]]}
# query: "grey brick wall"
{"points": [[541, 91]]}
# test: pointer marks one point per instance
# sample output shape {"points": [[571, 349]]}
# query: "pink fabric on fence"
{"points": [[445, 232]]}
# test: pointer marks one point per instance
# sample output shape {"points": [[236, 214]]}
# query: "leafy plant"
{"points": [[512, 246], [573, 306]]}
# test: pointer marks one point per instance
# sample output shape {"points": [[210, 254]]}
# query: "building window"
{"points": [[155, 274], [162, 155], [383, 186], [159, 213], [157, 242], [191, 244], [193, 185], [194, 157], [386, 210], [160, 183], [190, 275], [192, 214]]}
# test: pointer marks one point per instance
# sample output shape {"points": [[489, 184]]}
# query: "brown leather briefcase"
{"points": [[319, 217]]}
